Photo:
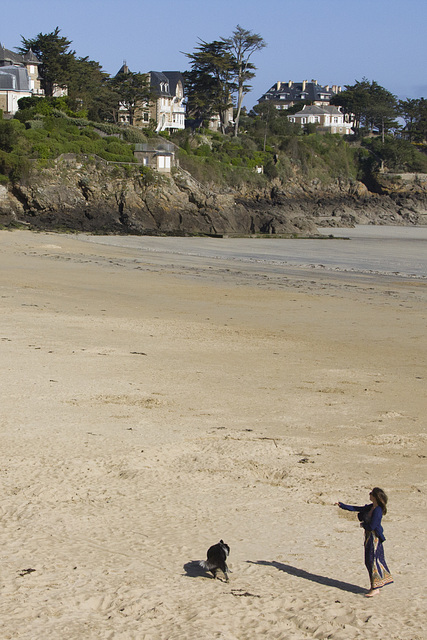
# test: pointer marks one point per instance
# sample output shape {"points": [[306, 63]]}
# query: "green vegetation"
{"points": [[414, 112], [284, 151], [45, 128], [395, 154], [260, 146], [226, 160], [61, 67], [371, 106]]}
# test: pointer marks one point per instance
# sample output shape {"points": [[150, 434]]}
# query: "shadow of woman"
{"points": [[313, 577]]}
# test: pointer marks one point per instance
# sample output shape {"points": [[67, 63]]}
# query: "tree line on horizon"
{"points": [[218, 79]]}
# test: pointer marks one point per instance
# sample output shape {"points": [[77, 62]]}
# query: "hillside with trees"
{"points": [[263, 163]]}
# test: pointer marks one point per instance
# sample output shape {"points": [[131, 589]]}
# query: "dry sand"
{"points": [[149, 410]]}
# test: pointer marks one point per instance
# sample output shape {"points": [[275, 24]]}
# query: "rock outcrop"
{"points": [[93, 196]]}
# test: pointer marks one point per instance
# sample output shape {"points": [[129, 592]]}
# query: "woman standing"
{"points": [[370, 516]]}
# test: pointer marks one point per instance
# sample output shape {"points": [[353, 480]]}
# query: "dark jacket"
{"points": [[369, 524]]}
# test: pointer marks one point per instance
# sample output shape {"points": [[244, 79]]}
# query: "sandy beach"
{"points": [[152, 405]]}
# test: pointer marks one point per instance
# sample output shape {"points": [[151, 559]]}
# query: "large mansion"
{"points": [[19, 78], [316, 106], [286, 94]]}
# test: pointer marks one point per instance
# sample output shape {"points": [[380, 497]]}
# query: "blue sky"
{"points": [[332, 41]]}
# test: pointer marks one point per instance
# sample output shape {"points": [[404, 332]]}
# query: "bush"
{"points": [[13, 166], [397, 155], [133, 135], [8, 136], [270, 170]]}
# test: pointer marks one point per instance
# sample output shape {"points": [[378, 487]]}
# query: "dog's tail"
{"points": [[206, 565]]}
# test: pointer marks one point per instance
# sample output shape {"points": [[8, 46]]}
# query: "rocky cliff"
{"points": [[93, 196]]}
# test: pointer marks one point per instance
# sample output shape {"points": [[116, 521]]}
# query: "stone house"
{"points": [[156, 154], [167, 110], [327, 119], [19, 78]]}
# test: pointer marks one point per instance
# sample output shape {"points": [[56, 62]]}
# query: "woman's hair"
{"points": [[381, 497]]}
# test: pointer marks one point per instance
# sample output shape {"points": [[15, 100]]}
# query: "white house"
{"points": [[168, 110], [19, 78], [327, 118]]}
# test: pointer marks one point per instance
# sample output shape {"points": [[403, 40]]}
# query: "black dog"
{"points": [[217, 556]]}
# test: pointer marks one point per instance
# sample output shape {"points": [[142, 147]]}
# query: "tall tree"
{"points": [[371, 106], [133, 92], [85, 83], [414, 112], [382, 110], [83, 78], [210, 83], [242, 45], [354, 101], [55, 55]]}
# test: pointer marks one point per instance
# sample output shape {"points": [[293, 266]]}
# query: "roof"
{"points": [[8, 57], [30, 56], [297, 91], [14, 78], [174, 78], [165, 82], [318, 111], [123, 69]]}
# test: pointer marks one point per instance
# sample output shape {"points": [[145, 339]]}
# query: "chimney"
{"points": [[290, 83], [327, 87], [334, 88], [314, 81], [304, 82], [278, 85]]}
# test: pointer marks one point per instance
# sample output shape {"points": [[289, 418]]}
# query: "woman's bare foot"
{"points": [[371, 593]]}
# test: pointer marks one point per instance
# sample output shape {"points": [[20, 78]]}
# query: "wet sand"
{"points": [[154, 403]]}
